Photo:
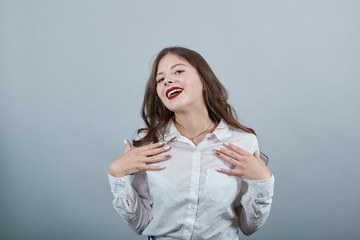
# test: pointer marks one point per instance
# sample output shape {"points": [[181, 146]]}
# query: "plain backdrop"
{"points": [[72, 77]]}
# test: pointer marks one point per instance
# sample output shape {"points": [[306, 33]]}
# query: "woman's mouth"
{"points": [[173, 92]]}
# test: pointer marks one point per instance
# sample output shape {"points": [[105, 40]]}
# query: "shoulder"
{"points": [[141, 134], [245, 140], [140, 139], [240, 134]]}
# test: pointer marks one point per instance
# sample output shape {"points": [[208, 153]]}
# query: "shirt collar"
{"points": [[222, 131], [171, 131]]}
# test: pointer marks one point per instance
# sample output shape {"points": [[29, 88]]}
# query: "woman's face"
{"points": [[178, 84]]}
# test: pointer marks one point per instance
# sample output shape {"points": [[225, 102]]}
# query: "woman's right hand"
{"points": [[135, 160]]}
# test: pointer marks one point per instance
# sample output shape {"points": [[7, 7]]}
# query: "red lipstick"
{"points": [[173, 92]]}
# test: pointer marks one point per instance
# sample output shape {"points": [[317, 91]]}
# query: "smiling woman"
{"points": [[179, 86], [211, 181]]}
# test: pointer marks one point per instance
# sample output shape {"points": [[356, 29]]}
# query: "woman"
{"points": [[198, 172]]}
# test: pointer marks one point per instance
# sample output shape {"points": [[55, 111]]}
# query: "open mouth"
{"points": [[173, 92]]}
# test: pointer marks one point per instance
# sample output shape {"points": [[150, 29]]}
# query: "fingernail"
{"points": [[161, 143], [167, 147], [218, 169], [125, 141], [168, 156], [162, 167], [226, 143], [218, 149]]}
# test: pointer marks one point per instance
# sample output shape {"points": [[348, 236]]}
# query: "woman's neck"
{"points": [[194, 125]]}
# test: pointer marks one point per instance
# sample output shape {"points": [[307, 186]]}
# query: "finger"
{"points": [[237, 149], [151, 146], [127, 146], [257, 155], [230, 172], [156, 159], [230, 153], [154, 168], [155, 151], [228, 159]]}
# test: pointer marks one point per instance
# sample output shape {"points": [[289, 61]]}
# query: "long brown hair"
{"points": [[156, 116]]}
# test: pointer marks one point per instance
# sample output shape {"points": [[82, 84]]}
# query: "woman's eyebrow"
{"points": [[178, 64]]}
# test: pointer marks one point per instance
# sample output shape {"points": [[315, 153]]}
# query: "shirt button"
{"points": [[192, 207], [122, 185], [188, 227]]}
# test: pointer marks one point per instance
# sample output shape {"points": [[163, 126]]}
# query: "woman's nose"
{"points": [[168, 81]]}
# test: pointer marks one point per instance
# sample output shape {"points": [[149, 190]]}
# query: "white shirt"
{"points": [[189, 199]]}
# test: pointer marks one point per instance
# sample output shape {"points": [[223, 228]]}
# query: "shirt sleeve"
{"points": [[132, 200], [255, 204], [255, 200]]}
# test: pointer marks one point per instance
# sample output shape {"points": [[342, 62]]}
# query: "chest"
{"points": [[191, 174]]}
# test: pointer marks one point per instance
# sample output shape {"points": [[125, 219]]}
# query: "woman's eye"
{"points": [[179, 71], [160, 80]]}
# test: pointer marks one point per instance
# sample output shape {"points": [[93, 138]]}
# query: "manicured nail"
{"points": [[167, 147], [226, 143], [218, 169], [162, 167], [161, 143], [218, 149], [125, 141]]}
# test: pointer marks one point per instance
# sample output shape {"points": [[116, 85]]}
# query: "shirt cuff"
{"points": [[259, 188], [119, 185]]}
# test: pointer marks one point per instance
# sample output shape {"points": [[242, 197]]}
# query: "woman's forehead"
{"points": [[170, 60]]}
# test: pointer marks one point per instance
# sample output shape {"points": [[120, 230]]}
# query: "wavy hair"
{"points": [[156, 116]]}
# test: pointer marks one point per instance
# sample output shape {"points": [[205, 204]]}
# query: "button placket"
{"points": [[194, 194]]}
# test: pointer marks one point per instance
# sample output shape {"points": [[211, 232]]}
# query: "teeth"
{"points": [[173, 92]]}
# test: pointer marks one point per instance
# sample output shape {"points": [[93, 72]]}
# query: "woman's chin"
{"points": [[175, 106], [176, 109]]}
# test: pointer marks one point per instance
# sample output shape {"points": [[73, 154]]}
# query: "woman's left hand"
{"points": [[246, 165]]}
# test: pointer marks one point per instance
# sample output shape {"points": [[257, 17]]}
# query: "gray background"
{"points": [[72, 80]]}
